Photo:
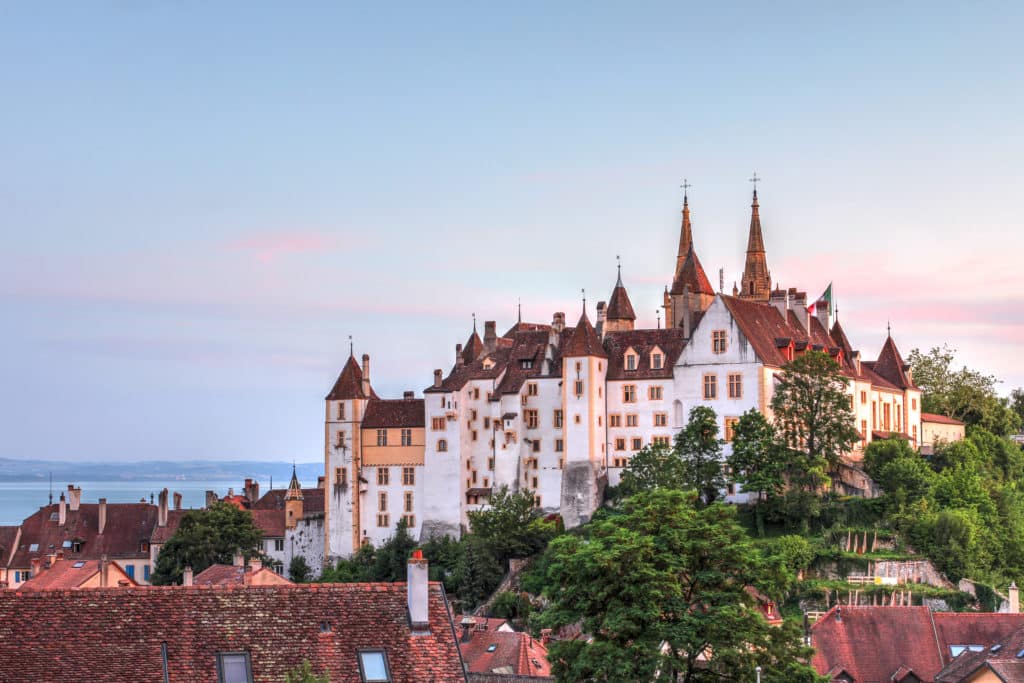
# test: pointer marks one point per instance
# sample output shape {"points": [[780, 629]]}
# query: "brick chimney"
{"points": [[602, 312], [74, 497], [104, 571], [366, 374], [177, 500], [161, 511], [459, 360], [1014, 598], [408, 395], [467, 624], [255, 564], [238, 560], [490, 336], [437, 377], [62, 511], [558, 322], [779, 298], [186, 576], [37, 566], [103, 516], [417, 589]]}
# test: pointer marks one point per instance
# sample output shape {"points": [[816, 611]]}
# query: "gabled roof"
{"points": [[162, 534], [1005, 662], [974, 628], [670, 340], [525, 360], [8, 538], [73, 574], [762, 324], [109, 635], [473, 370], [504, 652], [584, 341], [270, 522], [940, 419], [398, 412], [349, 384], [231, 575], [619, 305], [839, 335], [891, 366], [691, 273], [312, 501], [128, 526]]}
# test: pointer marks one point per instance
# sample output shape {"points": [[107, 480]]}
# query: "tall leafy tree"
{"points": [[653, 467], [757, 462], [699, 451], [206, 537], [510, 526], [661, 589]]}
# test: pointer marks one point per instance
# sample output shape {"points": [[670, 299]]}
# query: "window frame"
{"points": [[382, 437], [710, 380], [629, 393], [246, 659], [719, 342], [735, 380]]}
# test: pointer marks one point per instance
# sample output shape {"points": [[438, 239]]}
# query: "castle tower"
{"points": [[757, 279], [691, 291], [293, 502], [584, 373], [619, 315], [345, 408]]}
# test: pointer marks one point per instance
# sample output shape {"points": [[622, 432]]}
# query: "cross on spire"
{"points": [[584, 293], [686, 186], [755, 180]]}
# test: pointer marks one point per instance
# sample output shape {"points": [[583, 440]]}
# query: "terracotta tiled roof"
{"points": [[872, 643], [761, 324], [129, 525], [528, 349], [670, 340], [399, 412], [891, 366], [349, 384], [584, 341], [473, 347], [8, 537], [504, 652], [162, 534], [231, 575], [312, 501], [691, 273], [839, 335], [110, 635], [867, 372], [526, 327], [1005, 662], [939, 419], [270, 522], [71, 574], [619, 305], [461, 374]]}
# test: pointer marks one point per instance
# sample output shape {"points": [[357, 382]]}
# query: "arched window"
{"points": [[677, 408], [442, 445]]}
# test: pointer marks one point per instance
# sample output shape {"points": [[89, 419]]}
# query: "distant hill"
{"points": [[188, 470]]}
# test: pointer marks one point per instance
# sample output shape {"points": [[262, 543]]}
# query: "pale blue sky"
{"points": [[199, 204]]}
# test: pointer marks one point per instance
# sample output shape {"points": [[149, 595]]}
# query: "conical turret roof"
{"points": [[619, 305], [349, 384], [584, 341]]}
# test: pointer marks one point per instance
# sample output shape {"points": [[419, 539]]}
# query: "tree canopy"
{"points": [[206, 537], [699, 451], [757, 461], [663, 587]]}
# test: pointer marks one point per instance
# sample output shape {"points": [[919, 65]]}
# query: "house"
{"points": [[236, 574], [1000, 663], [504, 652], [939, 429], [292, 521], [395, 632], [901, 644], [57, 574]]}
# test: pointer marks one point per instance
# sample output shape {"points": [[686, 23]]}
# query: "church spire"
{"points": [[620, 315], [685, 232], [757, 281]]}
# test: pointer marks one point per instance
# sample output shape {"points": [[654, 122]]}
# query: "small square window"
{"points": [[234, 667], [373, 666]]}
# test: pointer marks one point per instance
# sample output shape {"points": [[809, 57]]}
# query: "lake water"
{"points": [[19, 499]]}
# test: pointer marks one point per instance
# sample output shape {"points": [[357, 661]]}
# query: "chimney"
{"points": [[823, 310], [186, 575], [408, 395], [211, 498], [490, 336], [177, 500], [780, 299], [62, 511], [459, 360], [366, 374], [74, 497], [417, 588], [1014, 598], [103, 515], [558, 322], [51, 559], [238, 560], [104, 571], [255, 564], [37, 566], [437, 378], [467, 624], [856, 361], [602, 311], [161, 511]]}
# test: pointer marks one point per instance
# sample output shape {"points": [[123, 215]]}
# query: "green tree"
{"points": [[299, 570], [655, 466], [304, 674], [391, 560], [661, 590], [478, 573], [814, 421], [699, 451], [757, 462], [357, 569], [510, 526], [1017, 403], [206, 537], [964, 394]]}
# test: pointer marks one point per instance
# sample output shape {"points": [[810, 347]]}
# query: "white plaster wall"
{"points": [[441, 493], [338, 500]]}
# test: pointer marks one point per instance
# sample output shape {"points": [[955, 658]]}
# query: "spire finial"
{"points": [[754, 179], [351, 349], [618, 266], [474, 323], [657, 313], [519, 305], [686, 186], [888, 328], [584, 293]]}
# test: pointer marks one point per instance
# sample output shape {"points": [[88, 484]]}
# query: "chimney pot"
{"points": [[186, 576], [366, 374], [161, 511], [62, 511], [417, 589], [437, 377], [74, 497], [459, 360], [103, 515], [1014, 598], [177, 500], [104, 571], [408, 395], [255, 564], [238, 559]]}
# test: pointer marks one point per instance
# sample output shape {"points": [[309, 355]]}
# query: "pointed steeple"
{"points": [[689, 271], [294, 487], [620, 315], [473, 347], [891, 366], [349, 384], [685, 235], [757, 280], [584, 340]]}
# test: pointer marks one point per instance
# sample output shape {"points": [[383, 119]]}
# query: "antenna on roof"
{"points": [[520, 306], [657, 312], [351, 352], [51, 488]]}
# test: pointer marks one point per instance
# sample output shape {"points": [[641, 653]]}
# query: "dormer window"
{"points": [[488, 363], [234, 667], [526, 363], [657, 360]]}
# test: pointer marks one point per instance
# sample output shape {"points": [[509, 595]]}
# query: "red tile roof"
{"points": [[312, 501], [504, 652], [1005, 661], [473, 347], [162, 534], [398, 412], [891, 366], [231, 575], [270, 522], [939, 419], [71, 574], [128, 526], [691, 274], [670, 340], [761, 324], [113, 635], [584, 341], [8, 538], [619, 305], [349, 384], [872, 643]]}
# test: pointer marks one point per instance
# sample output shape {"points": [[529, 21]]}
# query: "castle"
{"points": [[559, 409]]}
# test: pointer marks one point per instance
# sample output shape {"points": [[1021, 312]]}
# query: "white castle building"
{"points": [[559, 410]]}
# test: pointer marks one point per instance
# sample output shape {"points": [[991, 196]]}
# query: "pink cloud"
{"points": [[269, 246]]}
